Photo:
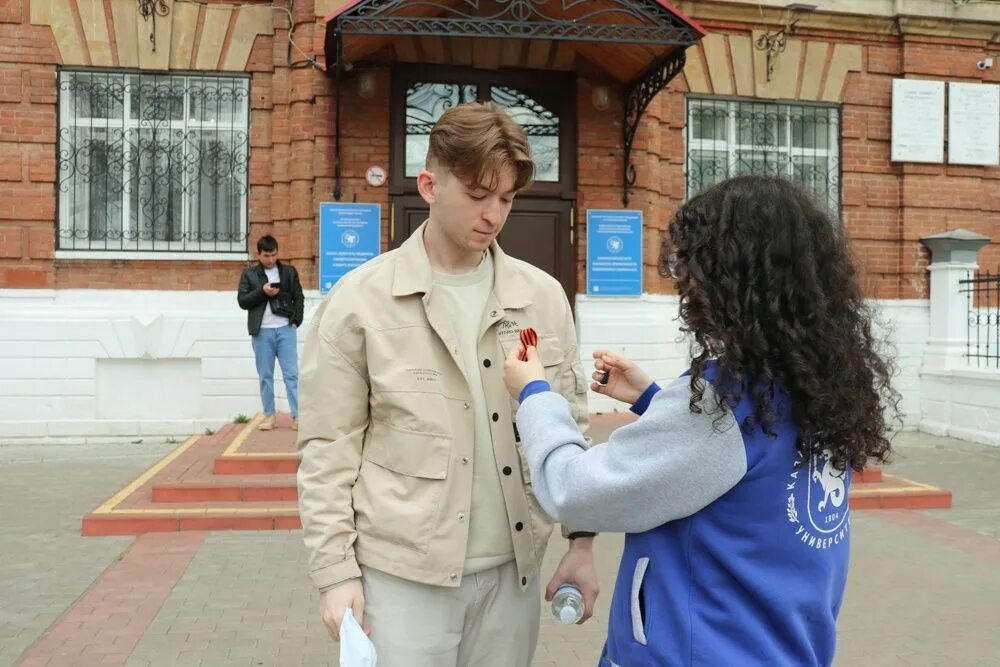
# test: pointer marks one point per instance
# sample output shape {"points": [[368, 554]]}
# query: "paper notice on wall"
{"points": [[917, 121], [973, 123]]}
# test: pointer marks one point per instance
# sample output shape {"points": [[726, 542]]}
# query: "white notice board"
{"points": [[973, 123], [917, 121]]}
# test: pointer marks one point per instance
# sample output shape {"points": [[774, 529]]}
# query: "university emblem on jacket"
{"points": [[816, 503]]}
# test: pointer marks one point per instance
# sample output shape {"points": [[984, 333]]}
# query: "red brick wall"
{"points": [[886, 207], [27, 149]]}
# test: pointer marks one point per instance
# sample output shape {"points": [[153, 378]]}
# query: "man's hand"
{"points": [[334, 603], [271, 291], [577, 567]]}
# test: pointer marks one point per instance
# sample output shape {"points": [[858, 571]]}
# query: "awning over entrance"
{"points": [[623, 37], [639, 43]]}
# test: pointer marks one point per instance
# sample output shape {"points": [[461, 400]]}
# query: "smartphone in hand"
{"points": [[275, 284]]}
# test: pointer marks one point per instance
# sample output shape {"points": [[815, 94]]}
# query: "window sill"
{"points": [[146, 256]]}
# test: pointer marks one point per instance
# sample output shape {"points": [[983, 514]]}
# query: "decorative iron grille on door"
{"points": [[735, 137], [152, 162], [425, 102]]}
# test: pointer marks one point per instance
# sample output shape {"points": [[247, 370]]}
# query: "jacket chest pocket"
{"points": [[400, 485], [550, 353]]}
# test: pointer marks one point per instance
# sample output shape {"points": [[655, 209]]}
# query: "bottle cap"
{"points": [[567, 615]]}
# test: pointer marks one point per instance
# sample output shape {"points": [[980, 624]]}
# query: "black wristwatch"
{"points": [[579, 533]]}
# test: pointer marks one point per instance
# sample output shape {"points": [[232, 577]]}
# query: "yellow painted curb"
{"points": [[116, 499], [110, 506], [241, 437]]}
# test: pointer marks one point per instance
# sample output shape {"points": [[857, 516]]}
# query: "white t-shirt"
{"points": [[490, 543], [272, 321]]}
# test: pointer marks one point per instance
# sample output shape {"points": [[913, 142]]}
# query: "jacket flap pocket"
{"points": [[550, 349], [408, 452]]}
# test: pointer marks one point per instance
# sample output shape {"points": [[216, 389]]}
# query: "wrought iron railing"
{"points": [[151, 162], [729, 137], [982, 343]]}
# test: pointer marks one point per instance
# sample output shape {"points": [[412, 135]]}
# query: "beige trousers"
{"points": [[488, 621]]}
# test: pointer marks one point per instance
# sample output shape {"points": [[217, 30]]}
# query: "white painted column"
{"points": [[953, 259]]}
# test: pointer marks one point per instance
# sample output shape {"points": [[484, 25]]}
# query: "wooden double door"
{"points": [[539, 229]]}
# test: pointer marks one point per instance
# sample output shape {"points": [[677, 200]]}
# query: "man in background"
{"points": [[271, 294]]}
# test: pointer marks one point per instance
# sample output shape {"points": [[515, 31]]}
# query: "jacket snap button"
{"points": [[493, 313], [506, 470], [465, 459], [461, 517], [496, 417], [486, 362], [465, 405], [518, 526], [453, 576], [524, 581]]}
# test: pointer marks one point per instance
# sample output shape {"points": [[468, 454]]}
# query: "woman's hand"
{"points": [[617, 376], [517, 374]]}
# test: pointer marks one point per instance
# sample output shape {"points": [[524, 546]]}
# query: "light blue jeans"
{"points": [[280, 344]]}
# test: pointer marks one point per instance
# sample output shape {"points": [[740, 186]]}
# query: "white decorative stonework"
{"points": [[97, 364]]}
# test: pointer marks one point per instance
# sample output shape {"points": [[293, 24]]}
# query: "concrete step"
{"points": [[893, 492], [138, 523], [241, 478], [256, 464], [228, 488]]}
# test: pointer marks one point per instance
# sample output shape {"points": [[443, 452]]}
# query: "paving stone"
{"points": [[922, 589]]}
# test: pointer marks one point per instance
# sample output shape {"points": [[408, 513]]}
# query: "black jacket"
{"points": [[251, 295]]}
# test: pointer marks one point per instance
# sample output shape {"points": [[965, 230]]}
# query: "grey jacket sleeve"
{"points": [[667, 465]]}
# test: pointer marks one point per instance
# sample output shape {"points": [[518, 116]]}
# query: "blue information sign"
{"points": [[614, 252], [349, 235]]}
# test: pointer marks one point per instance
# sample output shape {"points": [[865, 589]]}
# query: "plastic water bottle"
{"points": [[567, 604]]}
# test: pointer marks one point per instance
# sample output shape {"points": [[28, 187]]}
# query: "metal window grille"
{"points": [[152, 162], [982, 342], [800, 142]]}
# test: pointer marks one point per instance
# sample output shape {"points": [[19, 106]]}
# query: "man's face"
{"points": [[268, 258], [470, 217]]}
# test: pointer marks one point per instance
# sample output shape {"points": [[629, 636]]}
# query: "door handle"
{"points": [[572, 224]]}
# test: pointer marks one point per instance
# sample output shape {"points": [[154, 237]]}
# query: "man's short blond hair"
{"points": [[477, 142]]}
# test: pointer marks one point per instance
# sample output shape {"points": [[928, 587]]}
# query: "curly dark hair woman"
{"points": [[732, 485], [768, 289]]}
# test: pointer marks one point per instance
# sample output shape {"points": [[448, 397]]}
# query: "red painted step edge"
{"points": [[110, 524], [256, 465], [193, 493], [917, 500], [868, 476]]}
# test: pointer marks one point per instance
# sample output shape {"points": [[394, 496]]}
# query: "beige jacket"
{"points": [[386, 426]]}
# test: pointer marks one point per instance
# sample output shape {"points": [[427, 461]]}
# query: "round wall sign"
{"points": [[375, 176]]}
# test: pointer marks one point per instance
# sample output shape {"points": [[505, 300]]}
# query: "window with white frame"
{"points": [[152, 162], [728, 137]]}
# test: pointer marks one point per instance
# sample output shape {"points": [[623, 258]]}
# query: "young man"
{"points": [[416, 506], [271, 294]]}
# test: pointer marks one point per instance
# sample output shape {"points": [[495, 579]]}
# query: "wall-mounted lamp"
{"points": [[366, 85], [600, 97]]}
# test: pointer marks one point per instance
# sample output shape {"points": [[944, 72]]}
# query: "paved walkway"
{"points": [[923, 587]]}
